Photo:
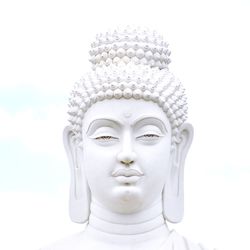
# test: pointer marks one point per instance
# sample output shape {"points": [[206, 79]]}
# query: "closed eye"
{"points": [[106, 137], [148, 136]]}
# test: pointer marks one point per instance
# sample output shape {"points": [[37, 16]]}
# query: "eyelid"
{"points": [[151, 121], [149, 129], [106, 138], [102, 123], [150, 133], [102, 131], [149, 140], [103, 134]]}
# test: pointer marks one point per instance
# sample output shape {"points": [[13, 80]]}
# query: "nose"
{"points": [[126, 156]]}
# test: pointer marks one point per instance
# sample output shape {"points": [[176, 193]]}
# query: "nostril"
{"points": [[127, 162], [126, 157]]}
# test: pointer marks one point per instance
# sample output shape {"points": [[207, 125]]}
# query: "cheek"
{"points": [[155, 162], [98, 161], [156, 155]]}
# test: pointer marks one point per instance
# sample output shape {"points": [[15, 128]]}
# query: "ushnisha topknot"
{"points": [[130, 45], [117, 74]]}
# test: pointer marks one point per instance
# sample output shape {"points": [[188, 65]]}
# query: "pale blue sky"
{"points": [[15, 153], [44, 50]]}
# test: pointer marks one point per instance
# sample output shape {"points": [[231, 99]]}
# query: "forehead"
{"points": [[124, 111]]}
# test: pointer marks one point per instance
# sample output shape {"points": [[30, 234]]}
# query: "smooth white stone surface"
{"points": [[127, 154]]}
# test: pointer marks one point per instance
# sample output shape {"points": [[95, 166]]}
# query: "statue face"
{"points": [[126, 153]]}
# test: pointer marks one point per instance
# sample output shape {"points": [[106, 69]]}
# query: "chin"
{"points": [[127, 199]]}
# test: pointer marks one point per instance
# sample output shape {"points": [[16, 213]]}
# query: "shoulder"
{"points": [[69, 243], [179, 242]]}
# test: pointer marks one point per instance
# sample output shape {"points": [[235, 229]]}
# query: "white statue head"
{"points": [[128, 139]]}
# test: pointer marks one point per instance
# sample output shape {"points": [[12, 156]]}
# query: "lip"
{"points": [[127, 173], [127, 176], [127, 180]]}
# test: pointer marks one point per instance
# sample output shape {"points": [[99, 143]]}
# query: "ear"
{"points": [[173, 192], [79, 202]]}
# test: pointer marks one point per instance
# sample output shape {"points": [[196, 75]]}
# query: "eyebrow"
{"points": [[108, 121], [152, 121], [149, 119]]}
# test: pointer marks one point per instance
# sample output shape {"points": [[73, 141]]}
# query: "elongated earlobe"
{"points": [[173, 192], [79, 202]]}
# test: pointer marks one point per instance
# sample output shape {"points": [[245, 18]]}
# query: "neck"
{"points": [[142, 222]]}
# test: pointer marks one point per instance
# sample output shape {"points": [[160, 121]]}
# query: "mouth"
{"points": [[127, 176], [127, 172]]}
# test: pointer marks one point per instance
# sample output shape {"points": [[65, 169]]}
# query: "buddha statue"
{"points": [[126, 143]]}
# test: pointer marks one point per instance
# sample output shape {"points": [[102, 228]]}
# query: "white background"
{"points": [[44, 50]]}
